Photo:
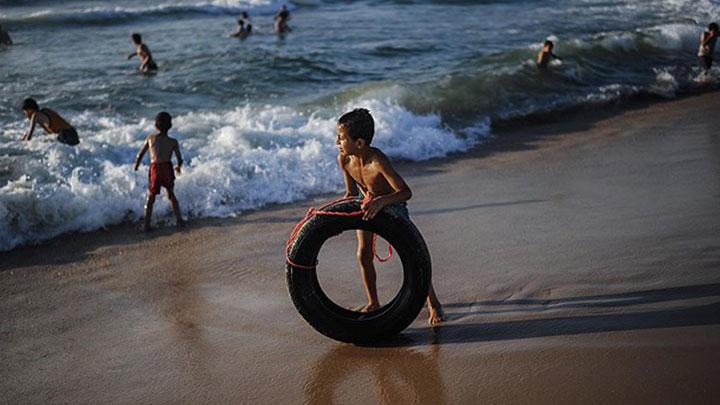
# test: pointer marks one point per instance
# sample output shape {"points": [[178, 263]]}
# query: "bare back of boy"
{"points": [[162, 147]]}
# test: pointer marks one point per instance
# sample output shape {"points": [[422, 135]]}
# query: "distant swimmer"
{"points": [[546, 54], [161, 174], [5, 37], [281, 19], [246, 20], [147, 64], [708, 39], [242, 31], [50, 121]]}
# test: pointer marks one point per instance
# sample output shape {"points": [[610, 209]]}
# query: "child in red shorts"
{"points": [[161, 174]]}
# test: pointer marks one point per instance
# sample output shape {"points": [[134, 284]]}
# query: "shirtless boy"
{"points": [[50, 121], [147, 64], [161, 170], [281, 20], [368, 174], [546, 54], [708, 39], [5, 37]]}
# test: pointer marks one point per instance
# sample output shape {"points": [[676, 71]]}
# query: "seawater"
{"points": [[256, 118]]}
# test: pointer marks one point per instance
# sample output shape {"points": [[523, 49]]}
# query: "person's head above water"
{"points": [[163, 121], [713, 27], [357, 125], [244, 14], [136, 38], [548, 44], [30, 106]]}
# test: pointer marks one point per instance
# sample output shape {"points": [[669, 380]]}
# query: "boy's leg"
{"points": [[434, 307], [148, 210], [175, 207], [367, 267]]}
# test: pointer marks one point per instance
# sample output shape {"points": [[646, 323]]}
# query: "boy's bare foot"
{"points": [[369, 307], [436, 316]]}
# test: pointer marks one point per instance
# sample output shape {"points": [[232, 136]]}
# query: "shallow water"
{"points": [[256, 117]]}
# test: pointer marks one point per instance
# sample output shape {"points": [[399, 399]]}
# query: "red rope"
{"points": [[321, 211]]}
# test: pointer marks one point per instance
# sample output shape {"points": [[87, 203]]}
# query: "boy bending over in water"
{"points": [[161, 170], [50, 121], [368, 172], [147, 64]]}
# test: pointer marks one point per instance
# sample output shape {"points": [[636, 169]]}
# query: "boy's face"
{"points": [[346, 145]]}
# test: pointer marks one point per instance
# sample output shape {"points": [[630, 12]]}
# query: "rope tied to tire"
{"points": [[312, 211], [338, 321]]}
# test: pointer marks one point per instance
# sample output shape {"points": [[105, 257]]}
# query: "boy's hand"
{"points": [[178, 170], [372, 208]]}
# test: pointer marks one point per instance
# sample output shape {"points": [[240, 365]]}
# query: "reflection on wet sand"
{"points": [[181, 305], [384, 376]]}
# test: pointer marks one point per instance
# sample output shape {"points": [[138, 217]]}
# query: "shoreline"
{"points": [[577, 265], [508, 137]]}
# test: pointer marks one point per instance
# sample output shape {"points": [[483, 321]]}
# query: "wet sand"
{"points": [[578, 263]]}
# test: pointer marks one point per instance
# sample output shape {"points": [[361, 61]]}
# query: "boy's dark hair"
{"points": [[30, 104], [244, 14], [359, 124], [163, 121], [549, 43], [713, 27], [136, 37]]}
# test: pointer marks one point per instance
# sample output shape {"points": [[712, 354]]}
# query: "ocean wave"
{"points": [[118, 14], [236, 161], [657, 61]]}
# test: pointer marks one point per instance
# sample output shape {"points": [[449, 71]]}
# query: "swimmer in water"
{"points": [[281, 19], [708, 39], [147, 64], [546, 54], [242, 32], [5, 37]]}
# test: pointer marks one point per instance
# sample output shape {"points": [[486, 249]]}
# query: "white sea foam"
{"points": [[236, 160]]}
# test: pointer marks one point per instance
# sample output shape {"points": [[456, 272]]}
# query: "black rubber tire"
{"points": [[342, 324]]}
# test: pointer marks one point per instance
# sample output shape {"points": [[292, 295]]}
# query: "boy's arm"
{"points": [[402, 192], [140, 154], [555, 56], [132, 54], [706, 37], [351, 188], [28, 135], [178, 156]]}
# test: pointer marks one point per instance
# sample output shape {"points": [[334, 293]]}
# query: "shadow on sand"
{"points": [[707, 314]]}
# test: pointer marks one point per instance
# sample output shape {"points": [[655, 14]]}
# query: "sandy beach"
{"points": [[577, 262]]}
